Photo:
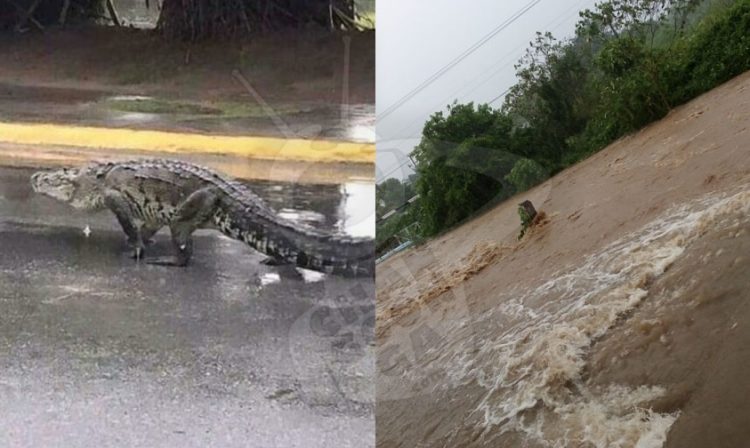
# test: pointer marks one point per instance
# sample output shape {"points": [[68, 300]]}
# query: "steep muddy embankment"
{"points": [[623, 320]]}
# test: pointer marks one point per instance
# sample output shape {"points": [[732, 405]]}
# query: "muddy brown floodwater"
{"points": [[622, 320]]}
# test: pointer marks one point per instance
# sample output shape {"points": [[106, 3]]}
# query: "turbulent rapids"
{"points": [[533, 374], [530, 357]]}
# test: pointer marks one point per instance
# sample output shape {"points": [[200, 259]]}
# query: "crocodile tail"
{"points": [[344, 256], [299, 245]]}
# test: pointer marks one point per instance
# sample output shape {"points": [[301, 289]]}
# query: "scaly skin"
{"points": [[146, 195]]}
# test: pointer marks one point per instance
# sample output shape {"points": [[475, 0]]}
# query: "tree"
{"points": [[628, 64], [193, 20], [201, 19], [462, 160], [525, 174], [551, 96], [392, 194]]}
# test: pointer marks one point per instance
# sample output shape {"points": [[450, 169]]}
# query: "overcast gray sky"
{"points": [[416, 38]]}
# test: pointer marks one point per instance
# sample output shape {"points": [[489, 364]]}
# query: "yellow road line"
{"points": [[268, 148]]}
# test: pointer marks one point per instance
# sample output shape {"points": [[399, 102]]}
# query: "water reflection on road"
{"points": [[351, 123]]}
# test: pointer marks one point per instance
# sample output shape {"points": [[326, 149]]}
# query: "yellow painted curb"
{"points": [[268, 148]]}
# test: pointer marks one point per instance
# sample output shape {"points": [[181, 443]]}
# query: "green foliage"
{"points": [[638, 61], [392, 194], [718, 50], [48, 12], [629, 63], [549, 98], [394, 230], [637, 83], [525, 174], [462, 161], [632, 86]]}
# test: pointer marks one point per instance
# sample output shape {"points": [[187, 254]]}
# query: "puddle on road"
{"points": [[136, 13], [306, 216], [358, 204], [269, 278], [130, 98], [136, 117], [345, 208], [361, 133], [311, 276]]}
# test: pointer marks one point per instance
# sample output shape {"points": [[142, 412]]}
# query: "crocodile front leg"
{"points": [[190, 215], [116, 202]]}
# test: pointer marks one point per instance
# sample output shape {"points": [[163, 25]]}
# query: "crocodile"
{"points": [[146, 195]]}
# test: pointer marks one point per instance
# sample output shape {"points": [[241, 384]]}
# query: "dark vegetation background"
{"points": [[628, 64], [196, 19]]}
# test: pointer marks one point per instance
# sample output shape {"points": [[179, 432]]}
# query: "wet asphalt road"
{"points": [[90, 108], [98, 350]]}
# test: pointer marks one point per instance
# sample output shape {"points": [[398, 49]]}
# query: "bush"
{"points": [[632, 85], [575, 97], [638, 85], [461, 164], [525, 174], [386, 236], [717, 51]]}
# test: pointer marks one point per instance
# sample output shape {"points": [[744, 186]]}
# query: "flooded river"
{"points": [[521, 374], [621, 320]]}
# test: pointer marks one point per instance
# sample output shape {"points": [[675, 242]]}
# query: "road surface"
{"points": [[98, 350]]}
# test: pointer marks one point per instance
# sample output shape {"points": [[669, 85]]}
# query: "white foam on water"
{"points": [[531, 367]]}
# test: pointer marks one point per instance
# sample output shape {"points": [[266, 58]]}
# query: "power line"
{"points": [[499, 65], [458, 59], [385, 176], [455, 92], [505, 92], [472, 82], [550, 27]]}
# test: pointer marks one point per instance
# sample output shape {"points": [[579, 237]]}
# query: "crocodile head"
{"points": [[78, 187]]}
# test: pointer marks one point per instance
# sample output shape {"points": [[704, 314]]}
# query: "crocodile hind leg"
{"points": [[116, 203], [191, 214]]}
